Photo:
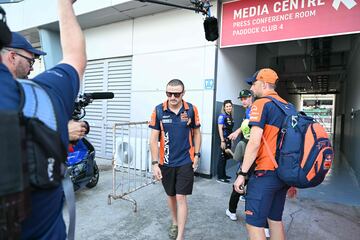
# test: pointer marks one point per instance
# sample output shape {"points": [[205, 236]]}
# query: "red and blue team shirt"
{"points": [[266, 115], [176, 133]]}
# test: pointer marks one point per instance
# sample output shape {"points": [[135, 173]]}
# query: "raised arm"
{"points": [[71, 37]]}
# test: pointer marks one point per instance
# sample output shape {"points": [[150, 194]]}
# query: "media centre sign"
{"points": [[245, 22]]}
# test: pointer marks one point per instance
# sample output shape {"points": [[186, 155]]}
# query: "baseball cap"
{"points": [[245, 93], [20, 42], [266, 75]]}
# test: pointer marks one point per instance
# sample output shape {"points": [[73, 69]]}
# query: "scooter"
{"points": [[81, 165]]}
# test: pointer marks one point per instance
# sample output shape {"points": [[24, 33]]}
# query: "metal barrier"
{"points": [[131, 163]]}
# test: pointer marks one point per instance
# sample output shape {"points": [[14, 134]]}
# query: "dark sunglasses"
{"points": [[31, 61], [176, 94]]}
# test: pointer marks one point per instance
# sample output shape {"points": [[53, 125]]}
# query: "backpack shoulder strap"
{"points": [[36, 103], [190, 111], [21, 95], [159, 112], [159, 115], [287, 108]]}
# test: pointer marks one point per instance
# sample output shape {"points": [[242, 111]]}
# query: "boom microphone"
{"points": [[211, 28], [100, 95]]}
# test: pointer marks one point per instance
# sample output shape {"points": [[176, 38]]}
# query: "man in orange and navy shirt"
{"points": [[266, 193], [176, 124]]}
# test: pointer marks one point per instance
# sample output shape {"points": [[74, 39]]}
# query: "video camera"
{"points": [[85, 99], [201, 6]]}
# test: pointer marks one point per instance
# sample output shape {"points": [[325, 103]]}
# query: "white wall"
{"points": [[235, 65], [34, 13]]}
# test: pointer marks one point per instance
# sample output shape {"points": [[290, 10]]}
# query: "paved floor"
{"points": [[316, 214]]}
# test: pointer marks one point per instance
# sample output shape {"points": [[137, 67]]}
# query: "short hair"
{"points": [[272, 86], [176, 82]]}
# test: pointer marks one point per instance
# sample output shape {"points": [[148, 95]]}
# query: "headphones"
{"points": [[5, 33]]}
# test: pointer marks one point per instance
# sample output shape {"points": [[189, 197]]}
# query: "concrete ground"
{"points": [[310, 216]]}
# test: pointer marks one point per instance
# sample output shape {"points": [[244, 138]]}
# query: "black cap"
{"points": [[245, 93]]}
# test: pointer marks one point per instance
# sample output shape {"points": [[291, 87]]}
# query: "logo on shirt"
{"points": [[166, 148], [55, 73], [184, 117], [167, 120], [50, 170]]}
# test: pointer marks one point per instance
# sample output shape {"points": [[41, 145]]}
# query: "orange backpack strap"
{"points": [[269, 152]]}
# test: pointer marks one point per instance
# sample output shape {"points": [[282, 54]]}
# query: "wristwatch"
{"points": [[240, 172], [154, 162], [197, 154]]}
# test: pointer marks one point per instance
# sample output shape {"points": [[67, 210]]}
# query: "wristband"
{"points": [[240, 172], [197, 154], [154, 162]]}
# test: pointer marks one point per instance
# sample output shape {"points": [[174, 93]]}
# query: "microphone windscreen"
{"points": [[211, 28], [100, 95], [5, 34]]}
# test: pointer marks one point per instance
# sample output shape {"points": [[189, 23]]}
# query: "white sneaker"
{"points": [[231, 215], [242, 198], [267, 232]]}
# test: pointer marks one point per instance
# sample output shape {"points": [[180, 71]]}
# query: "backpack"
{"points": [[303, 153], [37, 157]]}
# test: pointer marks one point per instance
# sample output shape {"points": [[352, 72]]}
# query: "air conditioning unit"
{"points": [[133, 153]]}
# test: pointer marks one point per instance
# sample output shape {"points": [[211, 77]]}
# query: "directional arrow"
{"points": [[348, 3]]}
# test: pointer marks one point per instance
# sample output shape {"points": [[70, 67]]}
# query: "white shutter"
{"points": [[107, 75]]}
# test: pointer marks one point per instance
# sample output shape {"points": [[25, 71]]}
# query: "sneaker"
{"points": [[231, 215], [242, 198], [229, 152], [220, 180], [227, 177], [267, 232], [173, 231]]}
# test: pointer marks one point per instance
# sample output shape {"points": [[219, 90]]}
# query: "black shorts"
{"points": [[177, 180]]}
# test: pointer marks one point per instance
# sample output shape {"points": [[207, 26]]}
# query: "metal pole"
{"points": [[174, 5]]}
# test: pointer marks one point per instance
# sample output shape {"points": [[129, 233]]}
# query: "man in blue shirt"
{"points": [[62, 85], [176, 124]]}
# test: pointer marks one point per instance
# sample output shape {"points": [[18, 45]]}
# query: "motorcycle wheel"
{"points": [[94, 180]]}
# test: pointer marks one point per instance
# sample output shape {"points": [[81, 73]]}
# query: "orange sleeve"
{"points": [[196, 117], [153, 123]]}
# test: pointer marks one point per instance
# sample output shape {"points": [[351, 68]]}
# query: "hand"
{"points": [[77, 130], [223, 145], [239, 184], [292, 192], [233, 136], [156, 172], [195, 163]]}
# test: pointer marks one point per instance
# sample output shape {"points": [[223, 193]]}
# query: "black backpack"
{"points": [[32, 156]]}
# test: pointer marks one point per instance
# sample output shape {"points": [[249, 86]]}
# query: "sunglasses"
{"points": [[176, 94], [31, 61]]}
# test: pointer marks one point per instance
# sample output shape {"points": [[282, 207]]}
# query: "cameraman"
{"points": [[21, 69], [62, 84]]}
